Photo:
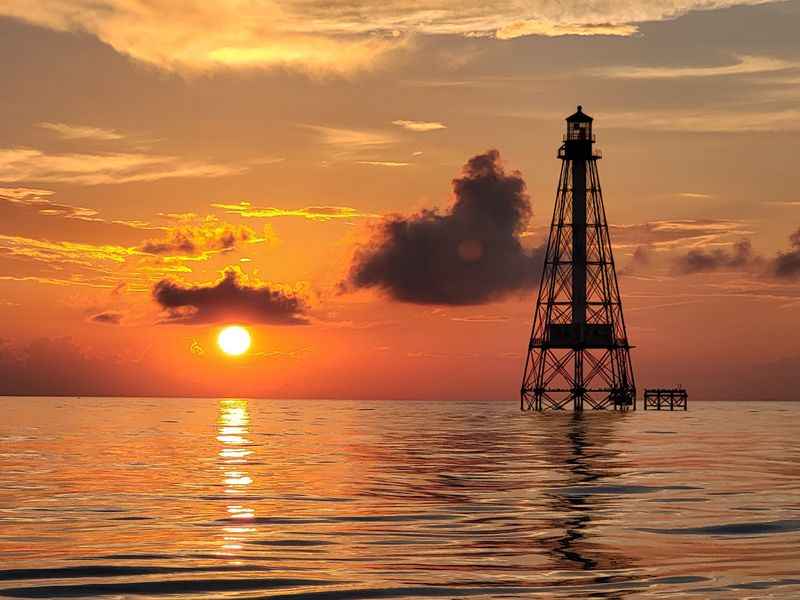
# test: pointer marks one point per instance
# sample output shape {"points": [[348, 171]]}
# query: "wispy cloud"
{"points": [[481, 319], [744, 65], [327, 37], [81, 132], [23, 193], [40, 202], [553, 29], [679, 233], [352, 140], [209, 237], [697, 195], [383, 163], [707, 121], [26, 164], [419, 126], [85, 255], [59, 281], [312, 213]]}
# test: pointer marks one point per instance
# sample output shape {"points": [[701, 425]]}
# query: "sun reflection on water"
{"points": [[232, 433]]}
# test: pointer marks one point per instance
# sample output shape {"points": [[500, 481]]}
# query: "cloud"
{"points": [[327, 37], [81, 132], [107, 318], [713, 119], [471, 254], [667, 234], [419, 126], [26, 164], [198, 36], [231, 298], [383, 163], [482, 319], [706, 121], [210, 236], [695, 195], [40, 202], [352, 143], [18, 194], [786, 265], [550, 29], [85, 255], [312, 213], [744, 65], [640, 259], [740, 257], [717, 259]]}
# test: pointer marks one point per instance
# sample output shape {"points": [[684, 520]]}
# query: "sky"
{"points": [[366, 186]]}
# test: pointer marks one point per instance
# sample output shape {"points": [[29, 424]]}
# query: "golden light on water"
{"points": [[232, 430], [234, 340]]}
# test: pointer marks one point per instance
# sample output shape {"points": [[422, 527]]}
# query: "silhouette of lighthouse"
{"points": [[578, 353]]}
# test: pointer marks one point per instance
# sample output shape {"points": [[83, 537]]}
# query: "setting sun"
{"points": [[234, 340]]}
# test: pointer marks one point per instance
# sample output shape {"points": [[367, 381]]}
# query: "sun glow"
{"points": [[234, 340]]}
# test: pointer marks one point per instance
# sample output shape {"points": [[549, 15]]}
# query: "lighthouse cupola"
{"points": [[578, 139]]}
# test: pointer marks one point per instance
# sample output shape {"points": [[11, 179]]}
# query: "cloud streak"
{"points": [[744, 65], [85, 255], [312, 213], [40, 202], [81, 132], [383, 163], [470, 254], [419, 126], [707, 121], [26, 164], [667, 234]]}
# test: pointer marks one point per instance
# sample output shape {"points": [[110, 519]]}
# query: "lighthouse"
{"points": [[578, 354]]}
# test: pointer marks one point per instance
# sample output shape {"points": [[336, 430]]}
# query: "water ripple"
{"points": [[337, 500]]}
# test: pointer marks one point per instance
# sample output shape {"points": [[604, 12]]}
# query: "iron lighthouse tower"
{"points": [[578, 352]]}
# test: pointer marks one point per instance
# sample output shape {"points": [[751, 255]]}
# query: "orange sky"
{"points": [[146, 150]]}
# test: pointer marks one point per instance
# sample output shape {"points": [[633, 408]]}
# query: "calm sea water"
{"points": [[336, 500]]}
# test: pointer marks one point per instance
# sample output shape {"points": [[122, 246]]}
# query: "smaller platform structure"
{"points": [[661, 398]]}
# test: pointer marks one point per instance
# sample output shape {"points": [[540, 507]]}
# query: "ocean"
{"points": [[234, 498]]}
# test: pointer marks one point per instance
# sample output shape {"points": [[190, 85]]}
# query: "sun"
{"points": [[234, 340]]}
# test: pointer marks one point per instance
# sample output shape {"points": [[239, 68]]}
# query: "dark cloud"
{"points": [[228, 299], [741, 256], [107, 317], [470, 254], [786, 265], [193, 240], [640, 259]]}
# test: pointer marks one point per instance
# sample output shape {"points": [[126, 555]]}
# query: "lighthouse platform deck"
{"points": [[666, 398]]}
